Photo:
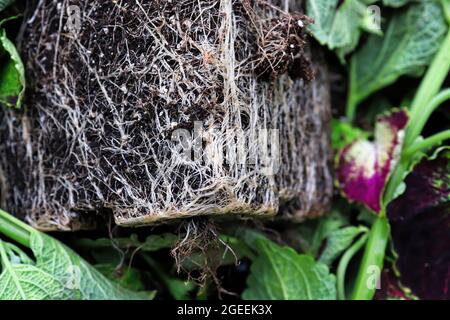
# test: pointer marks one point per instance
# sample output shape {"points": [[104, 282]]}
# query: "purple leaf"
{"points": [[420, 222], [391, 289], [365, 166]]}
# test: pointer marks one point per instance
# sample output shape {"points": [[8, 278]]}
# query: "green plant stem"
{"points": [[156, 267], [446, 5], [428, 143], [160, 273], [238, 246], [373, 258], [422, 106], [14, 229], [425, 102], [395, 180], [431, 84], [343, 263], [352, 103], [418, 120]]}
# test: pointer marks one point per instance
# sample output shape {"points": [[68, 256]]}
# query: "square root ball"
{"points": [[156, 110]]}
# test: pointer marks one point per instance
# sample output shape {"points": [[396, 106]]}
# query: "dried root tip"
{"points": [[199, 242], [281, 43]]}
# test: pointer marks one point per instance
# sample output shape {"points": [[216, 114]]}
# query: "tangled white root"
{"points": [[106, 101]]}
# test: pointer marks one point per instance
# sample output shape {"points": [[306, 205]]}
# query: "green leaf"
{"points": [[337, 242], [312, 234], [446, 7], [326, 226], [5, 3], [12, 74], [379, 104], [151, 243], [178, 288], [280, 273], [80, 280], [345, 31], [327, 238], [395, 3], [412, 38], [323, 12], [343, 133], [25, 281], [126, 277], [64, 274], [338, 27]]}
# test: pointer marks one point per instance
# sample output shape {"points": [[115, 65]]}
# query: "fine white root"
{"points": [[105, 102]]}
